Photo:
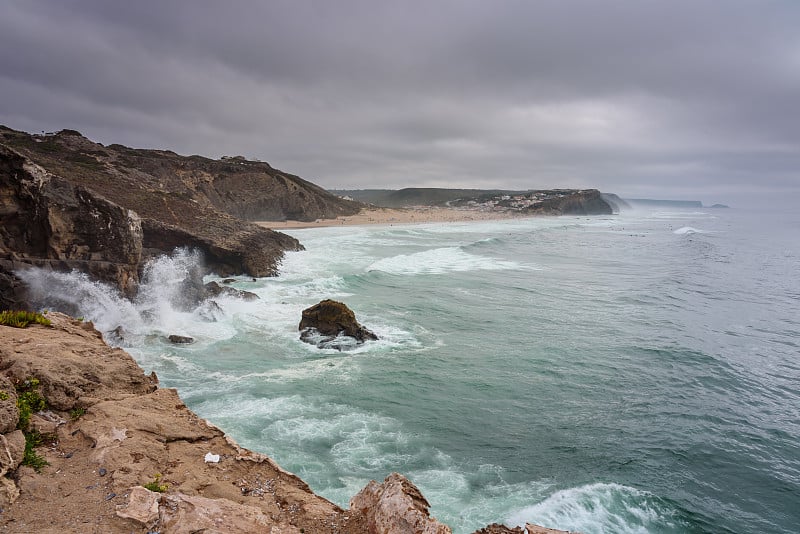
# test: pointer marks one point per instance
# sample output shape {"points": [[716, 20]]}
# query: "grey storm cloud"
{"points": [[685, 98]]}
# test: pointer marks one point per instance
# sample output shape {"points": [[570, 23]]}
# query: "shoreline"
{"points": [[390, 216]]}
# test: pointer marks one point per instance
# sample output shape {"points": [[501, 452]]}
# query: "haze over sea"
{"points": [[635, 373]]}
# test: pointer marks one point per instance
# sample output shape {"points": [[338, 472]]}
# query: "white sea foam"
{"points": [[596, 508], [688, 230], [440, 261]]}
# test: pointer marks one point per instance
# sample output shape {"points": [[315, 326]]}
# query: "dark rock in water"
{"points": [[193, 292], [179, 340], [331, 324], [229, 280], [215, 290]]}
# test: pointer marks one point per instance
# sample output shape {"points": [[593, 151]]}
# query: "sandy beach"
{"points": [[389, 216]]}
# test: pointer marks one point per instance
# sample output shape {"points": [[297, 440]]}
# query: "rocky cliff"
{"points": [[107, 430], [69, 203], [179, 190], [48, 222]]}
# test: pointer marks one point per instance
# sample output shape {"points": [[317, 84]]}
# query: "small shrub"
{"points": [[156, 484], [21, 319], [29, 401], [77, 413], [30, 458], [3, 395]]}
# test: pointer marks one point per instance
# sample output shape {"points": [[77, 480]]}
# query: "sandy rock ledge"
{"points": [[110, 429]]}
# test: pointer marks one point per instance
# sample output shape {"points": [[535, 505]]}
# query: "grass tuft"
{"points": [[156, 484], [21, 319]]}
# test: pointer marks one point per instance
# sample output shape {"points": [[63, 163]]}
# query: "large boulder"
{"points": [[324, 323], [396, 506]]}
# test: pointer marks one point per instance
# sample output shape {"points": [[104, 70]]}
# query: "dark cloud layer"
{"points": [[687, 98]]}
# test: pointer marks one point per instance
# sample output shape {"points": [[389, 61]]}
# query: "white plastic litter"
{"points": [[212, 458]]}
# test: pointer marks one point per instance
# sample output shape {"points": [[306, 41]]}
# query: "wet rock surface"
{"points": [[396, 505], [180, 340], [331, 324]]}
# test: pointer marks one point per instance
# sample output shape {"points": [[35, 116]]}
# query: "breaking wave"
{"points": [[160, 307], [602, 507], [440, 261], [688, 230]]}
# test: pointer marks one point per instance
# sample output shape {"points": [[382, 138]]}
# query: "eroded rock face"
{"points": [[68, 378], [48, 222], [324, 323], [9, 413], [396, 506]]}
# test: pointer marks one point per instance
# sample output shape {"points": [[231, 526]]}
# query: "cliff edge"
{"points": [[124, 455]]}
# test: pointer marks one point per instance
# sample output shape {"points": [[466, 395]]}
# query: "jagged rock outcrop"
{"points": [[324, 323], [396, 506], [229, 246], [49, 222]]}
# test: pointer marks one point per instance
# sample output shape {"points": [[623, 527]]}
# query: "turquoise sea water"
{"points": [[637, 373]]}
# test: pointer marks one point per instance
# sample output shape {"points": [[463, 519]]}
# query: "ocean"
{"points": [[635, 373]]}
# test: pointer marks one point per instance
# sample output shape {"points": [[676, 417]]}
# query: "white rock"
{"points": [[212, 458]]}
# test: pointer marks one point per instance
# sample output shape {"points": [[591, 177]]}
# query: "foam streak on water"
{"points": [[631, 374]]}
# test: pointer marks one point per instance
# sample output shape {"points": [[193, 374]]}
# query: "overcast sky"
{"points": [[670, 99]]}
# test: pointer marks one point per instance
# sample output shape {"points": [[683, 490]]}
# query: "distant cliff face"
{"points": [[528, 202], [570, 202]]}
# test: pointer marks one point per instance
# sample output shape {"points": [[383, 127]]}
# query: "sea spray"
{"points": [[76, 294], [158, 308]]}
